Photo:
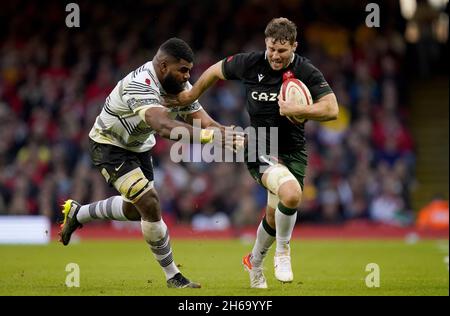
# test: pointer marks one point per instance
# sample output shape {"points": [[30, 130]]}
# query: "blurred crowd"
{"points": [[54, 80]]}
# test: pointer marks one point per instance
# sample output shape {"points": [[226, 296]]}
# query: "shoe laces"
{"points": [[180, 280], [284, 263], [258, 275]]}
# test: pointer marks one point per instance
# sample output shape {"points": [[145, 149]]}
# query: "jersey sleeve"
{"points": [[141, 93], [233, 67], [315, 81]]}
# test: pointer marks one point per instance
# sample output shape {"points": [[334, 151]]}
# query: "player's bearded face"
{"points": [[279, 53], [172, 85]]}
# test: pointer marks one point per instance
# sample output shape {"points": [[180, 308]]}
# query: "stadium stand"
{"points": [[54, 80]]}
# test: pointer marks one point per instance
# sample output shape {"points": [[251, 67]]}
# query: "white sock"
{"points": [[157, 236], [106, 209], [264, 241], [284, 226]]}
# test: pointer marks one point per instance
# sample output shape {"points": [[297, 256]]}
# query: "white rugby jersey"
{"points": [[119, 123]]}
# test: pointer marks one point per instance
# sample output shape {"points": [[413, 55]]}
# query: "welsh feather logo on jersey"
{"points": [[288, 75]]}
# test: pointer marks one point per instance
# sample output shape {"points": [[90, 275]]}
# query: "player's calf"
{"points": [[110, 209], [157, 237]]}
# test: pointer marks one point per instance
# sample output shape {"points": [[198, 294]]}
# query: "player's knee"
{"points": [[290, 201], [151, 198], [131, 212], [290, 194], [148, 206], [281, 182]]}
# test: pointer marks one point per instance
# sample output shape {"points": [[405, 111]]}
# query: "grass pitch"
{"points": [[320, 268]]}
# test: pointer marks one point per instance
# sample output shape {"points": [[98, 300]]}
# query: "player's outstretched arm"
{"points": [[206, 80], [160, 121], [230, 138], [325, 109], [205, 119], [158, 118]]}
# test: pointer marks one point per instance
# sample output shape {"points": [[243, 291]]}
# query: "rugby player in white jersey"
{"points": [[120, 144]]}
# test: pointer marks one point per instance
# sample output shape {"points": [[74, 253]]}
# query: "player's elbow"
{"points": [[333, 109], [334, 112], [163, 129], [164, 132], [330, 108], [215, 72]]}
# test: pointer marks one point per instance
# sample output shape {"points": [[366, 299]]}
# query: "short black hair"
{"points": [[178, 48]]}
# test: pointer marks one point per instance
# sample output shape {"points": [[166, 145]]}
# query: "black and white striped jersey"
{"points": [[119, 123]]}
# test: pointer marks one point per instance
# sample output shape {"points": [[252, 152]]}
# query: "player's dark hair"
{"points": [[282, 30], [178, 49]]}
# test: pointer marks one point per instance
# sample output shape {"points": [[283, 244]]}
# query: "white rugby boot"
{"points": [[257, 278], [283, 269]]}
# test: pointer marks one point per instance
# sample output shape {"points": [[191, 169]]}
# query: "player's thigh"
{"points": [[122, 169], [258, 167], [269, 172], [296, 163], [283, 178], [285, 171], [290, 192], [146, 164]]}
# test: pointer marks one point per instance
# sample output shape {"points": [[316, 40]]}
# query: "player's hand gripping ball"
{"points": [[296, 91]]}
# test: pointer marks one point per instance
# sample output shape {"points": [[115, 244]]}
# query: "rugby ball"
{"points": [[295, 90]]}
